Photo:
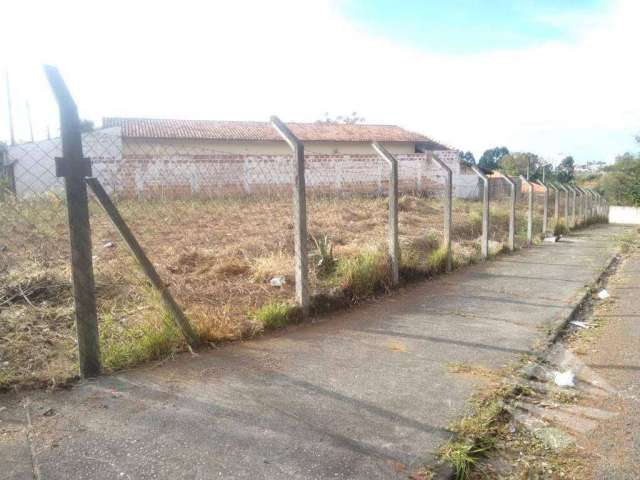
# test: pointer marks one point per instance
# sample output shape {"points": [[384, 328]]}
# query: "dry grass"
{"points": [[217, 256]]}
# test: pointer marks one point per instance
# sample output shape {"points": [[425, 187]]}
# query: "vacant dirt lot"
{"points": [[218, 256]]}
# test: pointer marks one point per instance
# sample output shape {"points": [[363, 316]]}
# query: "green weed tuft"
{"points": [[148, 339], [275, 314], [365, 274]]}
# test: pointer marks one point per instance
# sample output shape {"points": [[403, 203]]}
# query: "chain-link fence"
{"points": [[218, 225]]}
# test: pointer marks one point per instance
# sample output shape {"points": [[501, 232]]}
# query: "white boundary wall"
{"points": [[157, 170], [624, 215]]}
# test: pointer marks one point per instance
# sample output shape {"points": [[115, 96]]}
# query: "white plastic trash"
{"points": [[278, 281], [564, 379], [603, 294]]}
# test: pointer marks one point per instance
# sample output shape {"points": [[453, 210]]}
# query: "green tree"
{"points": [[518, 163], [490, 159], [620, 183], [566, 170]]}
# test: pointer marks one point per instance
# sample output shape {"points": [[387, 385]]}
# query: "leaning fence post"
{"points": [[448, 207], [529, 210], [394, 242], [545, 209], [74, 168], [299, 215], [485, 212], [176, 312]]}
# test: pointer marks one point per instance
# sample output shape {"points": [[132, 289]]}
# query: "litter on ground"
{"points": [[564, 379]]}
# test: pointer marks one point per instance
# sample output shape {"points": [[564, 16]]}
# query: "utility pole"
{"points": [[29, 119], [11, 133]]}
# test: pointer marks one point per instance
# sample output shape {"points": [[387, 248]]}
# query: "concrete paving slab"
{"points": [[363, 394]]}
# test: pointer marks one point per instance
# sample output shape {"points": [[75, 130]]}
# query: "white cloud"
{"points": [[248, 59]]}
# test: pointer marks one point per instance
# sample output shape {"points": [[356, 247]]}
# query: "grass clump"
{"points": [[275, 314], [152, 338], [461, 456], [364, 274]]}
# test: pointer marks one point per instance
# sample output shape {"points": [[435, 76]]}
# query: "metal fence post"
{"points": [[74, 168], [299, 215], [545, 209], [448, 208], [394, 242], [485, 212], [529, 210]]}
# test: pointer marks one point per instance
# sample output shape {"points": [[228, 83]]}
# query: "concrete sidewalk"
{"points": [[364, 394]]}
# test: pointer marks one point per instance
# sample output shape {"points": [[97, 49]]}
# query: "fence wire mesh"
{"points": [[218, 226], [36, 304]]}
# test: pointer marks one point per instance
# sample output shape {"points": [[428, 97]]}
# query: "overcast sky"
{"points": [[526, 74]]}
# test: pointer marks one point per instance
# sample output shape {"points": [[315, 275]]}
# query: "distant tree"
{"points": [[620, 182], [86, 126], [490, 159], [519, 163], [350, 119], [566, 170], [469, 158]]}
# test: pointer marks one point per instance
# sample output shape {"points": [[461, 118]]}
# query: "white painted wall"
{"points": [[157, 169], [35, 169], [624, 215]]}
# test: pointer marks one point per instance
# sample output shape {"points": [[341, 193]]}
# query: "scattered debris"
{"points": [[108, 245], [552, 238], [579, 324], [49, 412], [564, 379], [278, 281], [603, 294]]}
